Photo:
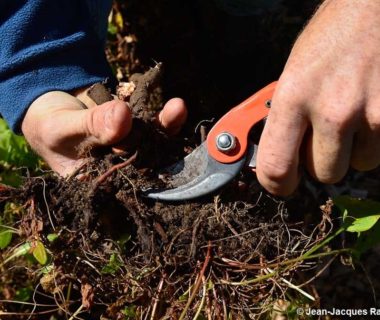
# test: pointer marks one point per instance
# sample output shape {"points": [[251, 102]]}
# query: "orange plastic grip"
{"points": [[238, 122]]}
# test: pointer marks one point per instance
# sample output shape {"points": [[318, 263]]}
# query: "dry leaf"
{"points": [[87, 292]]}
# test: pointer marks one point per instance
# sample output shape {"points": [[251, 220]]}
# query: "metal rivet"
{"points": [[225, 142]]}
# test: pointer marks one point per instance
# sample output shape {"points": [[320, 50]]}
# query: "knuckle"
{"points": [[328, 172], [329, 178], [336, 121], [48, 134], [277, 175], [117, 122], [275, 169], [89, 123], [290, 92]]}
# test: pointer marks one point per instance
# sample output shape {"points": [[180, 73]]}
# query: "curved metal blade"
{"points": [[195, 176]]}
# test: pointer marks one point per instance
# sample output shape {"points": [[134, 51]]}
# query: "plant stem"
{"points": [[324, 242], [76, 313], [292, 261], [197, 284], [202, 301]]}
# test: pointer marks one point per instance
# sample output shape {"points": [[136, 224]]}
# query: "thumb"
{"points": [[107, 124], [56, 126]]}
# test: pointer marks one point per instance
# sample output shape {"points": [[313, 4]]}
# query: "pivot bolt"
{"points": [[225, 142]]}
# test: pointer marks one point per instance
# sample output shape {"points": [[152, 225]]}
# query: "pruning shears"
{"points": [[218, 160]]}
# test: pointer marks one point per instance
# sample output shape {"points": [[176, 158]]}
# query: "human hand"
{"points": [[57, 124], [327, 97]]}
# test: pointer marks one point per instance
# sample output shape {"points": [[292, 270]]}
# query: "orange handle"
{"points": [[238, 122]]}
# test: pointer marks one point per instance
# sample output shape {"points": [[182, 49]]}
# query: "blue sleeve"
{"points": [[46, 45]]}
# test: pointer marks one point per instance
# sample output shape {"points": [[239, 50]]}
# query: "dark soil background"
{"points": [[212, 59]]}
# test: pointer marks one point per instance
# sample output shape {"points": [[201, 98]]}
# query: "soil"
{"points": [[119, 255], [100, 215]]}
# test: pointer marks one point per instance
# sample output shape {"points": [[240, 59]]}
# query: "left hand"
{"points": [[57, 124]]}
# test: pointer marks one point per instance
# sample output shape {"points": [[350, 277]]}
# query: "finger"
{"points": [[278, 152], [366, 148], [328, 153], [173, 116], [170, 119]]}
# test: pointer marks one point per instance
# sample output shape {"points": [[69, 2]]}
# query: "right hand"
{"points": [[328, 97]]}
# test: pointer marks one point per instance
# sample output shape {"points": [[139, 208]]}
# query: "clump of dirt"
{"points": [[143, 96], [128, 250], [116, 252]]}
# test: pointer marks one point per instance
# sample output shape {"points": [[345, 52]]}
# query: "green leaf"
{"points": [[11, 177], [14, 149], [39, 252], [52, 237], [119, 21], [18, 252], [358, 215], [46, 269], [11, 209], [112, 29], [361, 217], [184, 297], [367, 240], [210, 285], [5, 237], [124, 238], [24, 294], [363, 224], [113, 265], [129, 312]]}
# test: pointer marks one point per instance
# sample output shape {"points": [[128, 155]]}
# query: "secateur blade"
{"points": [[197, 175], [222, 156]]}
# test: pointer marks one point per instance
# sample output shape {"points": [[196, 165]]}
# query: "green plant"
{"points": [[113, 265], [360, 217], [5, 236], [15, 153], [14, 150]]}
